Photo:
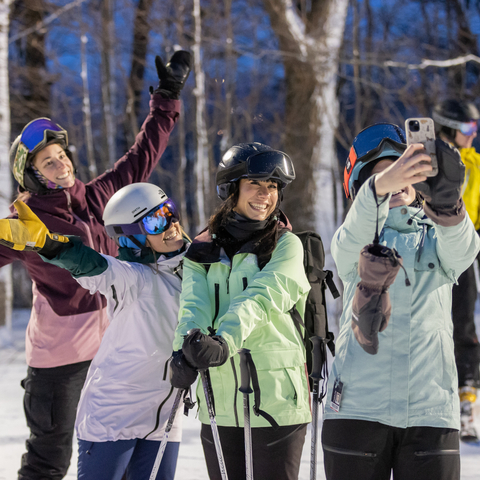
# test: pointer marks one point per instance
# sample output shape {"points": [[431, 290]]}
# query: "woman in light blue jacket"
{"points": [[398, 409]]}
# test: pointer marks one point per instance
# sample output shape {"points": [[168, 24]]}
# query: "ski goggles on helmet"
{"points": [[154, 222], [467, 128], [270, 165], [376, 141], [39, 132]]}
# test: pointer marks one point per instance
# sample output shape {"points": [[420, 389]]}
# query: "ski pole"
{"points": [[207, 390], [316, 375], [163, 444], [245, 358]]}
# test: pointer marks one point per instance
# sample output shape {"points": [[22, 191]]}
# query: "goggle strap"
{"points": [[447, 122]]}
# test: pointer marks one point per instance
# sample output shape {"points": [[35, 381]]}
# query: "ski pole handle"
{"points": [[317, 358], [245, 356], [316, 375]]}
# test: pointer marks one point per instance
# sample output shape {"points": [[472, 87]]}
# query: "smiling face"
{"points": [[257, 199], [168, 241], [52, 162], [403, 197]]}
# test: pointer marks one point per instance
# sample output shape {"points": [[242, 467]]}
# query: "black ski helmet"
{"points": [[451, 115], [252, 160]]}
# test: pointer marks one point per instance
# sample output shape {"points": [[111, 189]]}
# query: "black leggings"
{"points": [[370, 451], [276, 453], [467, 348], [50, 403]]}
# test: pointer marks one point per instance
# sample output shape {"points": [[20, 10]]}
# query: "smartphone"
{"points": [[422, 130]]}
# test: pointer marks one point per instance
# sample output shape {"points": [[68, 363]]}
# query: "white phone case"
{"points": [[424, 135]]}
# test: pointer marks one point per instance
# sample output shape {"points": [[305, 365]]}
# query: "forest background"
{"points": [[301, 76]]}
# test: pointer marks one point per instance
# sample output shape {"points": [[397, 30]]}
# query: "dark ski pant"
{"points": [[467, 348], [370, 451], [134, 458], [50, 404], [276, 453]]}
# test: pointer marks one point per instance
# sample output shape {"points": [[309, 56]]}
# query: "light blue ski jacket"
{"points": [[412, 381]]}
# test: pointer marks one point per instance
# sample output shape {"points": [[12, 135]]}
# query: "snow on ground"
{"points": [[191, 465]]}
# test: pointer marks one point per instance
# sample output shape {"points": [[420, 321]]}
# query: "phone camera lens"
{"points": [[414, 126]]}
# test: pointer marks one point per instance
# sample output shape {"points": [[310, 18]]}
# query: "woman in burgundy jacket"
{"points": [[67, 323]]}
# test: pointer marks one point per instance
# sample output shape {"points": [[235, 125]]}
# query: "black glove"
{"points": [[204, 351], [182, 374], [445, 189], [173, 75]]}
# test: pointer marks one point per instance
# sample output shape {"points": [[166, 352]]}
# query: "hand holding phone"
{"points": [[422, 130]]}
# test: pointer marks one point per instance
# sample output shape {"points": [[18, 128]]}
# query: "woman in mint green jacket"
{"points": [[392, 393], [236, 304]]}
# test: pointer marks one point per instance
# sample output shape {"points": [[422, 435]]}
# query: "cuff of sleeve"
{"points": [[446, 216], [157, 101]]}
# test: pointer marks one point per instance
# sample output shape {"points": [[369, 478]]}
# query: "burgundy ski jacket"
{"points": [[67, 322]]}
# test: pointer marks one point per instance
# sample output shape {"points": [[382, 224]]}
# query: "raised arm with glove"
{"points": [[29, 233], [442, 193], [173, 75]]}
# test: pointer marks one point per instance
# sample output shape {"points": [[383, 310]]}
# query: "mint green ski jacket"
{"points": [[412, 380], [249, 308]]}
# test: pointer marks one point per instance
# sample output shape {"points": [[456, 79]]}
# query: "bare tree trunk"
{"points": [[202, 166], [141, 29], [87, 115], [310, 41], [6, 292], [108, 83]]}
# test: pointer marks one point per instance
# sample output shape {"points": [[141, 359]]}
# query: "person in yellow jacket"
{"points": [[456, 123]]}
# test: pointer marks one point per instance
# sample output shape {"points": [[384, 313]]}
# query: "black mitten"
{"points": [[203, 351], [182, 374], [378, 267], [173, 75], [442, 193]]}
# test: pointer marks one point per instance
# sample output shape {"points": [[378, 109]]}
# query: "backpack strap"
{"points": [[256, 391]]}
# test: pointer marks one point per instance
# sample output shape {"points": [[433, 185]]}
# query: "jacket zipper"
{"points": [[217, 303], [345, 451], [436, 452], [159, 409]]}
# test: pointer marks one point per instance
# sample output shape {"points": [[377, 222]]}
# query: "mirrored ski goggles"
{"points": [[371, 138], [273, 165], [469, 128], [155, 222], [37, 133]]}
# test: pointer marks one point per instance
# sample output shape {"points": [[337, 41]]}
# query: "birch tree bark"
{"points": [[108, 84], [310, 37], [6, 292], [202, 165], [87, 114]]}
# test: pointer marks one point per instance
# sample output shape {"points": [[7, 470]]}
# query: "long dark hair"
{"points": [[265, 240]]}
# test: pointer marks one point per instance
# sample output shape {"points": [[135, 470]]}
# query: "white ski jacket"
{"points": [[125, 395]]}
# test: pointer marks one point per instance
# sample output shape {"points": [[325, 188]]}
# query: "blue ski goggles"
{"points": [[155, 222], [367, 145], [39, 132], [270, 165]]}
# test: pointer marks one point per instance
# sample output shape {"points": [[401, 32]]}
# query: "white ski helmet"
{"points": [[138, 210]]}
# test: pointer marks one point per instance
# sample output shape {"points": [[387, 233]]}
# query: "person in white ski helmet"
{"points": [[392, 404], [456, 122], [66, 322], [126, 400], [243, 275]]}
